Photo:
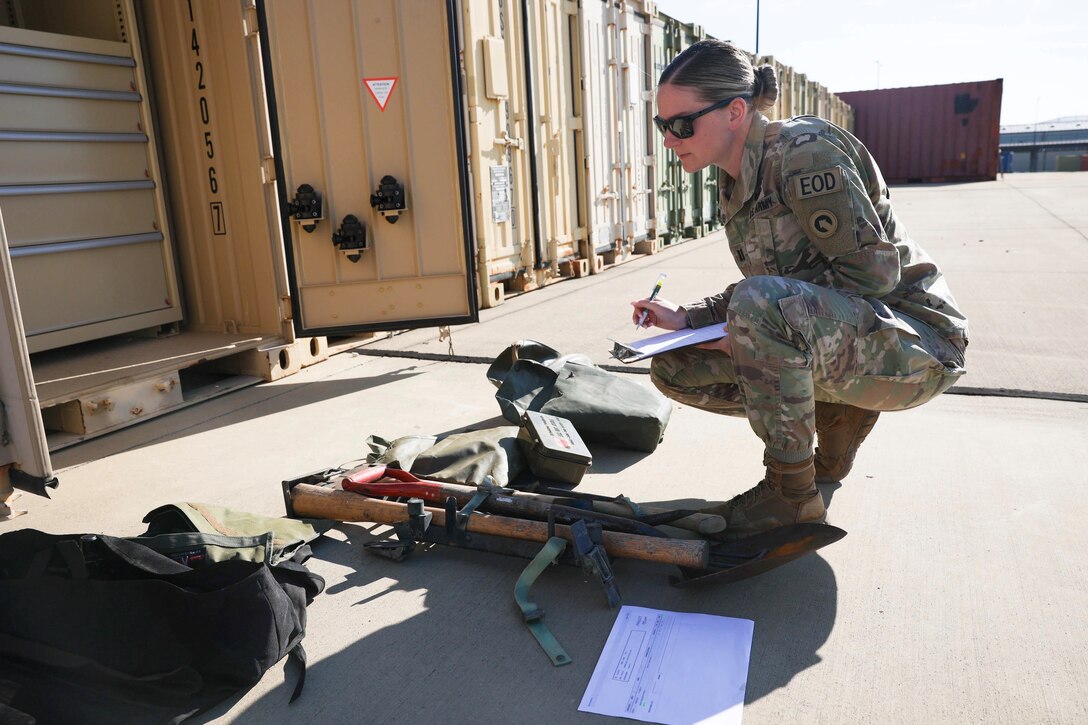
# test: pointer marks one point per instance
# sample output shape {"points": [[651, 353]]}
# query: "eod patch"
{"points": [[818, 183], [821, 201]]}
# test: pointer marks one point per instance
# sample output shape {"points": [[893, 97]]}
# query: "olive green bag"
{"points": [[467, 457], [192, 532], [604, 407]]}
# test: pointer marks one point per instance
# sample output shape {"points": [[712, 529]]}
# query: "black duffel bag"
{"points": [[97, 629], [602, 406]]}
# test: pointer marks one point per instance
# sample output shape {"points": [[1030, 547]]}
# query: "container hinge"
{"points": [[268, 170], [250, 20]]}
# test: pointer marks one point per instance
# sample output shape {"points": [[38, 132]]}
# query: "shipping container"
{"points": [[670, 181], [80, 182], [553, 26], [617, 111], [197, 194], [523, 115], [685, 205], [701, 204], [798, 96], [931, 133], [227, 184]]}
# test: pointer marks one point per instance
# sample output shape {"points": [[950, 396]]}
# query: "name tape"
{"points": [[818, 183]]}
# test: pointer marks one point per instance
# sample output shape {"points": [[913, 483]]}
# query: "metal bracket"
{"points": [[457, 520], [306, 208], [407, 534], [389, 199], [594, 559], [317, 478], [530, 612], [350, 238]]}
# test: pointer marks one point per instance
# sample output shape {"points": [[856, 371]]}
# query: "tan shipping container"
{"points": [[314, 164], [522, 121], [80, 182], [615, 72]]}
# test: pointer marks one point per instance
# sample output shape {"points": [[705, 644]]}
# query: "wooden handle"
{"points": [[329, 503]]}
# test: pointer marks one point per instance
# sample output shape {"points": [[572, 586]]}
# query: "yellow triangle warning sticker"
{"points": [[380, 89]]}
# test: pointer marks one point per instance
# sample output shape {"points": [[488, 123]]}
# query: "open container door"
{"points": [[366, 109], [24, 453]]}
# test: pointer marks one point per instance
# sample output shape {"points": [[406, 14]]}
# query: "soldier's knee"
{"points": [[660, 374], [756, 297]]}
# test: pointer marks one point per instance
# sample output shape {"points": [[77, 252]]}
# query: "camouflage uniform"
{"points": [[837, 305]]}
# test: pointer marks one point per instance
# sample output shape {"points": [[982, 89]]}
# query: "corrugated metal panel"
{"points": [[499, 144], [79, 179], [368, 111], [218, 163], [931, 133], [554, 33], [670, 180], [617, 106]]}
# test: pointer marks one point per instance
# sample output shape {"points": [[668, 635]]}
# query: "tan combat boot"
{"points": [[840, 429], [787, 495]]}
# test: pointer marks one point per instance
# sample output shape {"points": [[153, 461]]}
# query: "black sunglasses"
{"points": [[684, 126]]}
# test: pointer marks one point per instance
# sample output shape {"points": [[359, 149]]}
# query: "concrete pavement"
{"points": [[955, 597]]}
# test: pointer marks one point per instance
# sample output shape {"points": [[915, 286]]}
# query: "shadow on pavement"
{"points": [[462, 653], [236, 407]]}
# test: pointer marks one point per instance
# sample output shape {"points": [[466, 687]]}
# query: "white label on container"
{"points": [[500, 193], [380, 89]]}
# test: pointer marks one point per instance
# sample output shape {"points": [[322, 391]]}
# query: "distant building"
{"points": [[1057, 145]]}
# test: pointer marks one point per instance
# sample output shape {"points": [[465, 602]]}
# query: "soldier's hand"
{"points": [[721, 344], [659, 313]]}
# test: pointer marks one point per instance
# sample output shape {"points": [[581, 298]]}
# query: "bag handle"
{"points": [[141, 557], [77, 552]]}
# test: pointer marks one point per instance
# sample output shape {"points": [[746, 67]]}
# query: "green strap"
{"points": [[635, 509], [534, 615]]}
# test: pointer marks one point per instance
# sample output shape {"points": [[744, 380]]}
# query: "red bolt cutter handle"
{"points": [[369, 481]]}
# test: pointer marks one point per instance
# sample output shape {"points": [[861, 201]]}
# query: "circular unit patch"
{"points": [[823, 223]]}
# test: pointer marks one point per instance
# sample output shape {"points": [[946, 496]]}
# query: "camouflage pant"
{"points": [[794, 343]]}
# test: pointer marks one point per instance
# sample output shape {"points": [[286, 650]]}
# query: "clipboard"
{"points": [[629, 352]]}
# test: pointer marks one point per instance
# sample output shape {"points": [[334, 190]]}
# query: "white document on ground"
{"points": [[629, 352], [672, 667]]}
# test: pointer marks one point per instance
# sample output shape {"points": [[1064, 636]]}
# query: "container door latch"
{"points": [[389, 199], [306, 208], [350, 238]]}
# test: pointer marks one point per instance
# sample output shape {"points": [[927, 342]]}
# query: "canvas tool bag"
{"points": [[602, 406], [100, 629]]}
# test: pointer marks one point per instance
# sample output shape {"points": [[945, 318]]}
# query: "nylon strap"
{"points": [[534, 615], [635, 509]]}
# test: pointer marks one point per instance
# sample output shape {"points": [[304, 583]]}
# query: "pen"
{"points": [[657, 288]]}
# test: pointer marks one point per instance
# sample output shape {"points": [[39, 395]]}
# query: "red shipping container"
{"points": [[931, 133]]}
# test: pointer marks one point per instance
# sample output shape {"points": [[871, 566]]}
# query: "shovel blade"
{"points": [[732, 561]]}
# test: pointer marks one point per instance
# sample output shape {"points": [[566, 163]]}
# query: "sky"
{"points": [[1039, 47]]}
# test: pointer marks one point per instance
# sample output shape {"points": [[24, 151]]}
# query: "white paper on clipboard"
{"points": [[629, 352]]}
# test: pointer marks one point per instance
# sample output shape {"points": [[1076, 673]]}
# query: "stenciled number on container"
{"points": [[218, 212]]}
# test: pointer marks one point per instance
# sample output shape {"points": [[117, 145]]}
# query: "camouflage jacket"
{"points": [[811, 204]]}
